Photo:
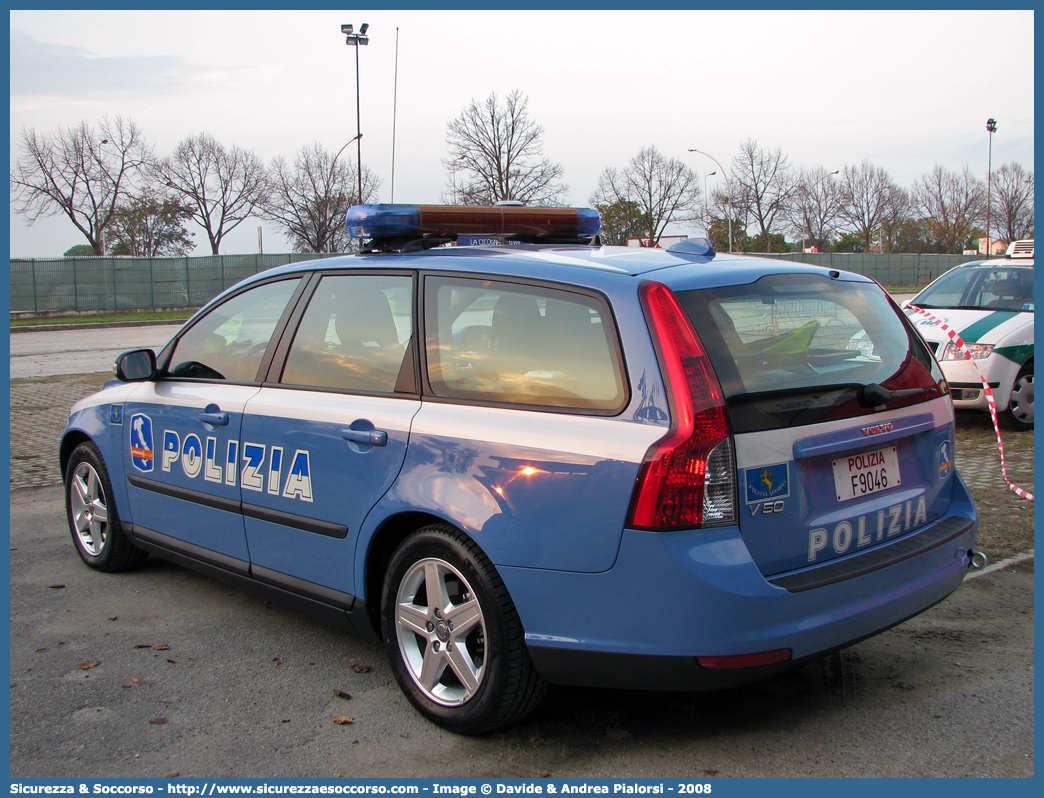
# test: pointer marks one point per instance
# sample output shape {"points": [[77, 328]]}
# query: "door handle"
{"points": [[369, 437], [212, 415]]}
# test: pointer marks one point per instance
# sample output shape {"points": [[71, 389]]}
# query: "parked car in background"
{"points": [[990, 305], [539, 460]]}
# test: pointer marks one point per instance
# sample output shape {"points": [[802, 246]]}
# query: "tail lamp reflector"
{"points": [[735, 661], [688, 479]]}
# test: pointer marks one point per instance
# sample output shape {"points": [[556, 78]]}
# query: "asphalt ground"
{"points": [[161, 672]]}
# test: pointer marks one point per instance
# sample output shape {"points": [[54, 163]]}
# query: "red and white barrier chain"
{"points": [[990, 401]]}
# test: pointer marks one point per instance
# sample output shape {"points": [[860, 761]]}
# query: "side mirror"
{"points": [[137, 365]]}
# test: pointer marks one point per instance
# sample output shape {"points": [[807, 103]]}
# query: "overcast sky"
{"points": [[908, 90]]}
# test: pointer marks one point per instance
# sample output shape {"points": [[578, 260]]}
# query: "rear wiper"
{"points": [[873, 394]]}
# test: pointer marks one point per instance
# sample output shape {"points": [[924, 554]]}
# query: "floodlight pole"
{"points": [[728, 187], [991, 127], [357, 40]]}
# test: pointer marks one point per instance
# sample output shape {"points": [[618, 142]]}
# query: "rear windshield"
{"points": [[981, 288], [794, 349]]}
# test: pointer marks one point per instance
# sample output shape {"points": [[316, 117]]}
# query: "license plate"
{"points": [[862, 474]]}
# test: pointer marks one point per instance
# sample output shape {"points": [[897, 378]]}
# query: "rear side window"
{"points": [[799, 348], [354, 334], [520, 344]]}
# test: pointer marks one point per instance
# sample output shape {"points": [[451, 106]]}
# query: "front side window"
{"points": [[520, 344], [798, 349], [230, 340], [981, 288], [354, 334]]}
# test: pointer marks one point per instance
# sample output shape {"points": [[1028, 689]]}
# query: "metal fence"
{"points": [[895, 269], [47, 285]]}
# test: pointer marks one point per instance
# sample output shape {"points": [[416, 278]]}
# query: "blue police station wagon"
{"points": [[539, 460]]}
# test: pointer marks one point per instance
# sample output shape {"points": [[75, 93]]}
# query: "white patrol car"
{"points": [[990, 305]]}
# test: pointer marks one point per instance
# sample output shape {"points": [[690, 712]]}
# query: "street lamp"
{"points": [[991, 127], [330, 181], [705, 213], [357, 40], [728, 188], [809, 191]]}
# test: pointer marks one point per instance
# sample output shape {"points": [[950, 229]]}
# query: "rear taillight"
{"points": [[688, 478]]}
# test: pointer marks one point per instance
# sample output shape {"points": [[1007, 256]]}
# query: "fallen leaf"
{"points": [[341, 694], [14, 684], [341, 720], [355, 742], [86, 666], [285, 720], [136, 680], [277, 662], [711, 772], [56, 587], [125, 686], [114, 617], [158, 721], [544, 774], [172, 775], [617, 734], [172, 661], [160, 647], [360, 668], [40, 650]]}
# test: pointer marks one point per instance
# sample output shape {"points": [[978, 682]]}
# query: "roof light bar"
{"points": [[388, 221]]}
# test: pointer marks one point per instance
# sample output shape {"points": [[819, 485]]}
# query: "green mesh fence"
{"points": [[40, 285]]}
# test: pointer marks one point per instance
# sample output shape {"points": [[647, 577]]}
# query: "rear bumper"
{"points": [[671, 597]]}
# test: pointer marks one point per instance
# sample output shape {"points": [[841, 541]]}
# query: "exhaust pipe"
{"points": [[978, 561]]}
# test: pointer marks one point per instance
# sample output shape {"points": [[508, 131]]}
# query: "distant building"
{"points": [[996, 247]]}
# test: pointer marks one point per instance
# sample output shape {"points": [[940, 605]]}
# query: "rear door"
{"points": [[844, 441], [325, 437]]}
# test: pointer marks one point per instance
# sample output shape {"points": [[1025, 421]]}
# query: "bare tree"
{"points": [[764, 186], [309, 200], [898, 213], [815, 204], [1013, 202], [80, 172], [950, 206], [222, 186], [496, 154], [865, 191], [664, 190]]}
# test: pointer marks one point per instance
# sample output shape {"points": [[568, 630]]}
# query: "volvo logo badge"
{"points": [[877, 429]]}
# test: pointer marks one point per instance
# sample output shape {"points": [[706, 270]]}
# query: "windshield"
{"points": [[981, 288], [793, 349]]}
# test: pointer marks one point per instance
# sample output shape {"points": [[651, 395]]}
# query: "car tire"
{"points": [[1019, 415], [93, 519], [463, 662]]}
